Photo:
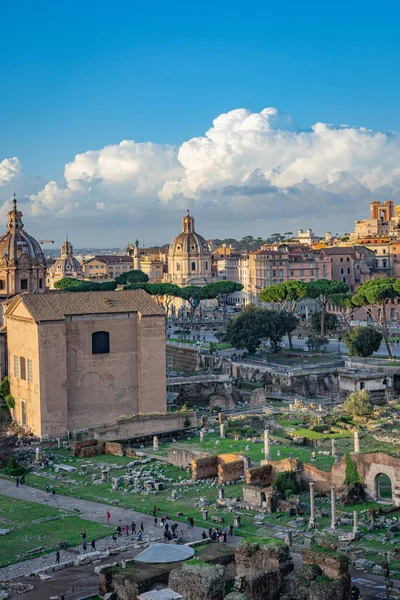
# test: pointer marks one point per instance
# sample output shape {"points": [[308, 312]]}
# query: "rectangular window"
{"points": [[22, 366], [40, 283], [348, 271], [341, 259], [193, 266], [291, 273], [16, 366], [342, 271], [273, 273], [280, 272], [23, 412], [348, 259], [24, 284], [30, 371], [301, 272], [2, 284]]}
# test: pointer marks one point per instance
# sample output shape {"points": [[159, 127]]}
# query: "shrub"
{"points": [[352, 474], [14, 469], [286, 483], [358, 404]]}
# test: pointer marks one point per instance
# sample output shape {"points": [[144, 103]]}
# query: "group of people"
{"points": [[53, 491], [218, 534], [20, 480]]}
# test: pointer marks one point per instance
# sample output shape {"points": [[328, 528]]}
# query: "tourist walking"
{"points": [[53, 493], [133, 527], [17, 482], [84, 546], [57, 557], [108, 516], [127, 530], [119, 531], [93, 546], [141, 527]]}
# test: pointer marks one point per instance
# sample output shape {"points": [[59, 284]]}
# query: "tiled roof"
{"points": [[55, 306], [111, 258]]}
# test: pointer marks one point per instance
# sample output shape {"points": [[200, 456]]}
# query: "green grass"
{"points": [[28, 533], [315, 435]]}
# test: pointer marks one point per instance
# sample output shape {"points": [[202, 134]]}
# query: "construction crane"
{"points": [[41, 242]]}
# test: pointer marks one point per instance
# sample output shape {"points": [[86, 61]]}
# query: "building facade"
{"points": [[108, 266], [82, 360]]}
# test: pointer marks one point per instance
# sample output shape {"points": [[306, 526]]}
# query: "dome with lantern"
{"points": [[22, 262], [189, 259], [65, 265]]}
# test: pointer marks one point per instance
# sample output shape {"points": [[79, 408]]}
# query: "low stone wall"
{"points": [[136, 425], [114, 448], [182, 457], [77, 446]]}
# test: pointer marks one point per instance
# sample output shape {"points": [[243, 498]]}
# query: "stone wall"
{"points": [[184, 359], [322, 479], [258, 398], [77, 446], [230, 471], [136, 425], [198, 582], [204, 467], [261, 569], [113, 448], [262, 475], [182, 457], [332, 564]]}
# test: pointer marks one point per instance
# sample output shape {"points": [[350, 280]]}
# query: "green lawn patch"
{"points": [[34, 525]]}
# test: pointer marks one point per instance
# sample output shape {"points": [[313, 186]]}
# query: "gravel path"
{"points": [[92, 511]]}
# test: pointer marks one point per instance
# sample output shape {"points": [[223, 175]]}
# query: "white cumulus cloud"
{"points": [[9, 169], [253, 171]]}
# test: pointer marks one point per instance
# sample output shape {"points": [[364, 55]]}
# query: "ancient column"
{"points": [[222, 430], [155, 442], [221, 418], [357, 442], [221, 494], [37, 456], [202, 436], [334, 448], [355, 522], [288, 537], [333, 507], [58, 443], [267, 445], [312, 522]]}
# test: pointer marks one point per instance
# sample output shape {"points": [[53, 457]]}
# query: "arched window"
{"points": [[100, 342]]}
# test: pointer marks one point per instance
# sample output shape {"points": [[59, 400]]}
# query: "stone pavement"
{"points": [[92, 511]]}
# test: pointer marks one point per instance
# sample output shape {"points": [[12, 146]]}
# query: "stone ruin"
{"points": [[266, 572]]}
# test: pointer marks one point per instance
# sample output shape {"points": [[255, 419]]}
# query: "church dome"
{"points": [[16, 246], [65, 265], [188, 242], [189, 259]]}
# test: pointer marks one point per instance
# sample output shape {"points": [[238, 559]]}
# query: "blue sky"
{"points": [[77, 76]]}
